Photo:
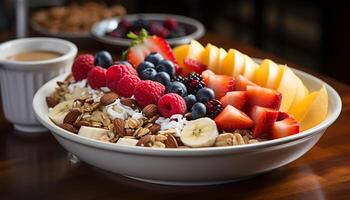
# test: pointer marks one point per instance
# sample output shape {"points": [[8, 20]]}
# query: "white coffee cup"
{"points": [[19, 80]]}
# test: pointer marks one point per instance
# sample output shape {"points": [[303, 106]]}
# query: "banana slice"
{"points": [[92, 132], [127, 141], [58, 112], [199, 133]]}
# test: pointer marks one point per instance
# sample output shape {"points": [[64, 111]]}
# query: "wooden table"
{"points": [[37, 167]]}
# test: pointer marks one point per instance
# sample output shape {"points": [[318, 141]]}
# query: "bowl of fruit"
{"points": [[191, 115], [174, 28]]}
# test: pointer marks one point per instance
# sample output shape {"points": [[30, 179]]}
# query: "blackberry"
{"points": [[179, 79], [194, 82], [214, 107]]}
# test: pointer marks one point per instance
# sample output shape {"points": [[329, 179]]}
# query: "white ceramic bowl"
{"points": [[202, 166], [20, 80]]}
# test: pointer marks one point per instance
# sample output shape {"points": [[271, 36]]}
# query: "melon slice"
{"points": [[288, 87], [195, 50], [233, 61], [250, 68], [301, 92], [220, 58], [180, 53], [267, 74], [209, 56]]}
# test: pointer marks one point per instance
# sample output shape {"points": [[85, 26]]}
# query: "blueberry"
{"points": [[154, 58], [166, 66], [139, 24], [190, 101], [177, 87], [205, 94], [163, 78], [148, 74], [144, 65], [198, 110], [103, 59]]}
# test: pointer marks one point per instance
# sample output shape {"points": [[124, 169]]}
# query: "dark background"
{"points": [[314, 34]]}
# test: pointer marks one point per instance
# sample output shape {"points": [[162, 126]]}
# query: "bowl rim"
{"points": [[72, 51], [199, 32], [57, 131]]}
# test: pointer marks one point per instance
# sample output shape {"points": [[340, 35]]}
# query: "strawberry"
{"points": [[205, 74], [143, 45], [263, 97], [191, 65], [221, 84], [236, 99], [263, 119], [284, 126], [242, 82], [231, 119]]}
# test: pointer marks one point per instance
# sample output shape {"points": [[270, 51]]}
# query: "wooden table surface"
{"points": [[35, 166]]}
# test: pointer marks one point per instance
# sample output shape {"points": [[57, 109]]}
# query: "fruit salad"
{"points": [[187, 97]]}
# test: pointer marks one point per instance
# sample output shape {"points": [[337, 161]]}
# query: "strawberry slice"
{"points": [[142, 45], [231, 119], [236, 99], [263, 119], [205, 75], [284, 126], [242, 83], [221, 84], [263, 97], [191, 65]]}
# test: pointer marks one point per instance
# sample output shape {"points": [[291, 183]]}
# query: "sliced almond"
{"points": [[143, 141], [154, 128], [51, 101], [69, 127], [129, 102], [150, 110], [72, 116], [119, 126], [108, 98]]}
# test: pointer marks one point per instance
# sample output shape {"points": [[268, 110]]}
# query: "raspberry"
{"points": [[97, 77], [82, 65], [148, 92], [115, 73], [171, 104], [214, 107], [127, 85]]}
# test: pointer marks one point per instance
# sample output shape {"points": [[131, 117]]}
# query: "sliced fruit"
{"points": [[267, 73], [191, 65], [221, 84], [195, 50], [288, 88], [301, 92], [220, 58], [180, 53], [231, 119], [284, 126], [233, 63], [92, 132], [127, 141], [236, 99], [312, 109], [250, 68], [263, 97], [201, 132], [242, 83], [211, 52], [58, 112], [263, 119]]}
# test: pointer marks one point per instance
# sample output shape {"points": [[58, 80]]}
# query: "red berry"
{"points": [[170, 23], [148, 92], [115, 73], [127, 85], [97, 77], [82, 65], [171, 104]]}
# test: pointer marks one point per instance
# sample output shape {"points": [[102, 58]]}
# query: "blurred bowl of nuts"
{"points": [[73, 21], [175, 29]]}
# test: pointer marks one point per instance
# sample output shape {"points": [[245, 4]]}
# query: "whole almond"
{"points": [[71, 116], [119, 126], [82, 123], [170, 142], [129, 102], [150, 110], [69, 127], [108, 98], [51, 101], [154, 129], [143, 141]]}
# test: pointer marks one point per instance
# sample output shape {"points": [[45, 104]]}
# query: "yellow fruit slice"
{"points": [[317, 111], [299, 110], [288, 87], [267, 74], [250, 68], [220, 58], [210, 56], [301, 92], [232, 63], [195, 50], [180, 53]]}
